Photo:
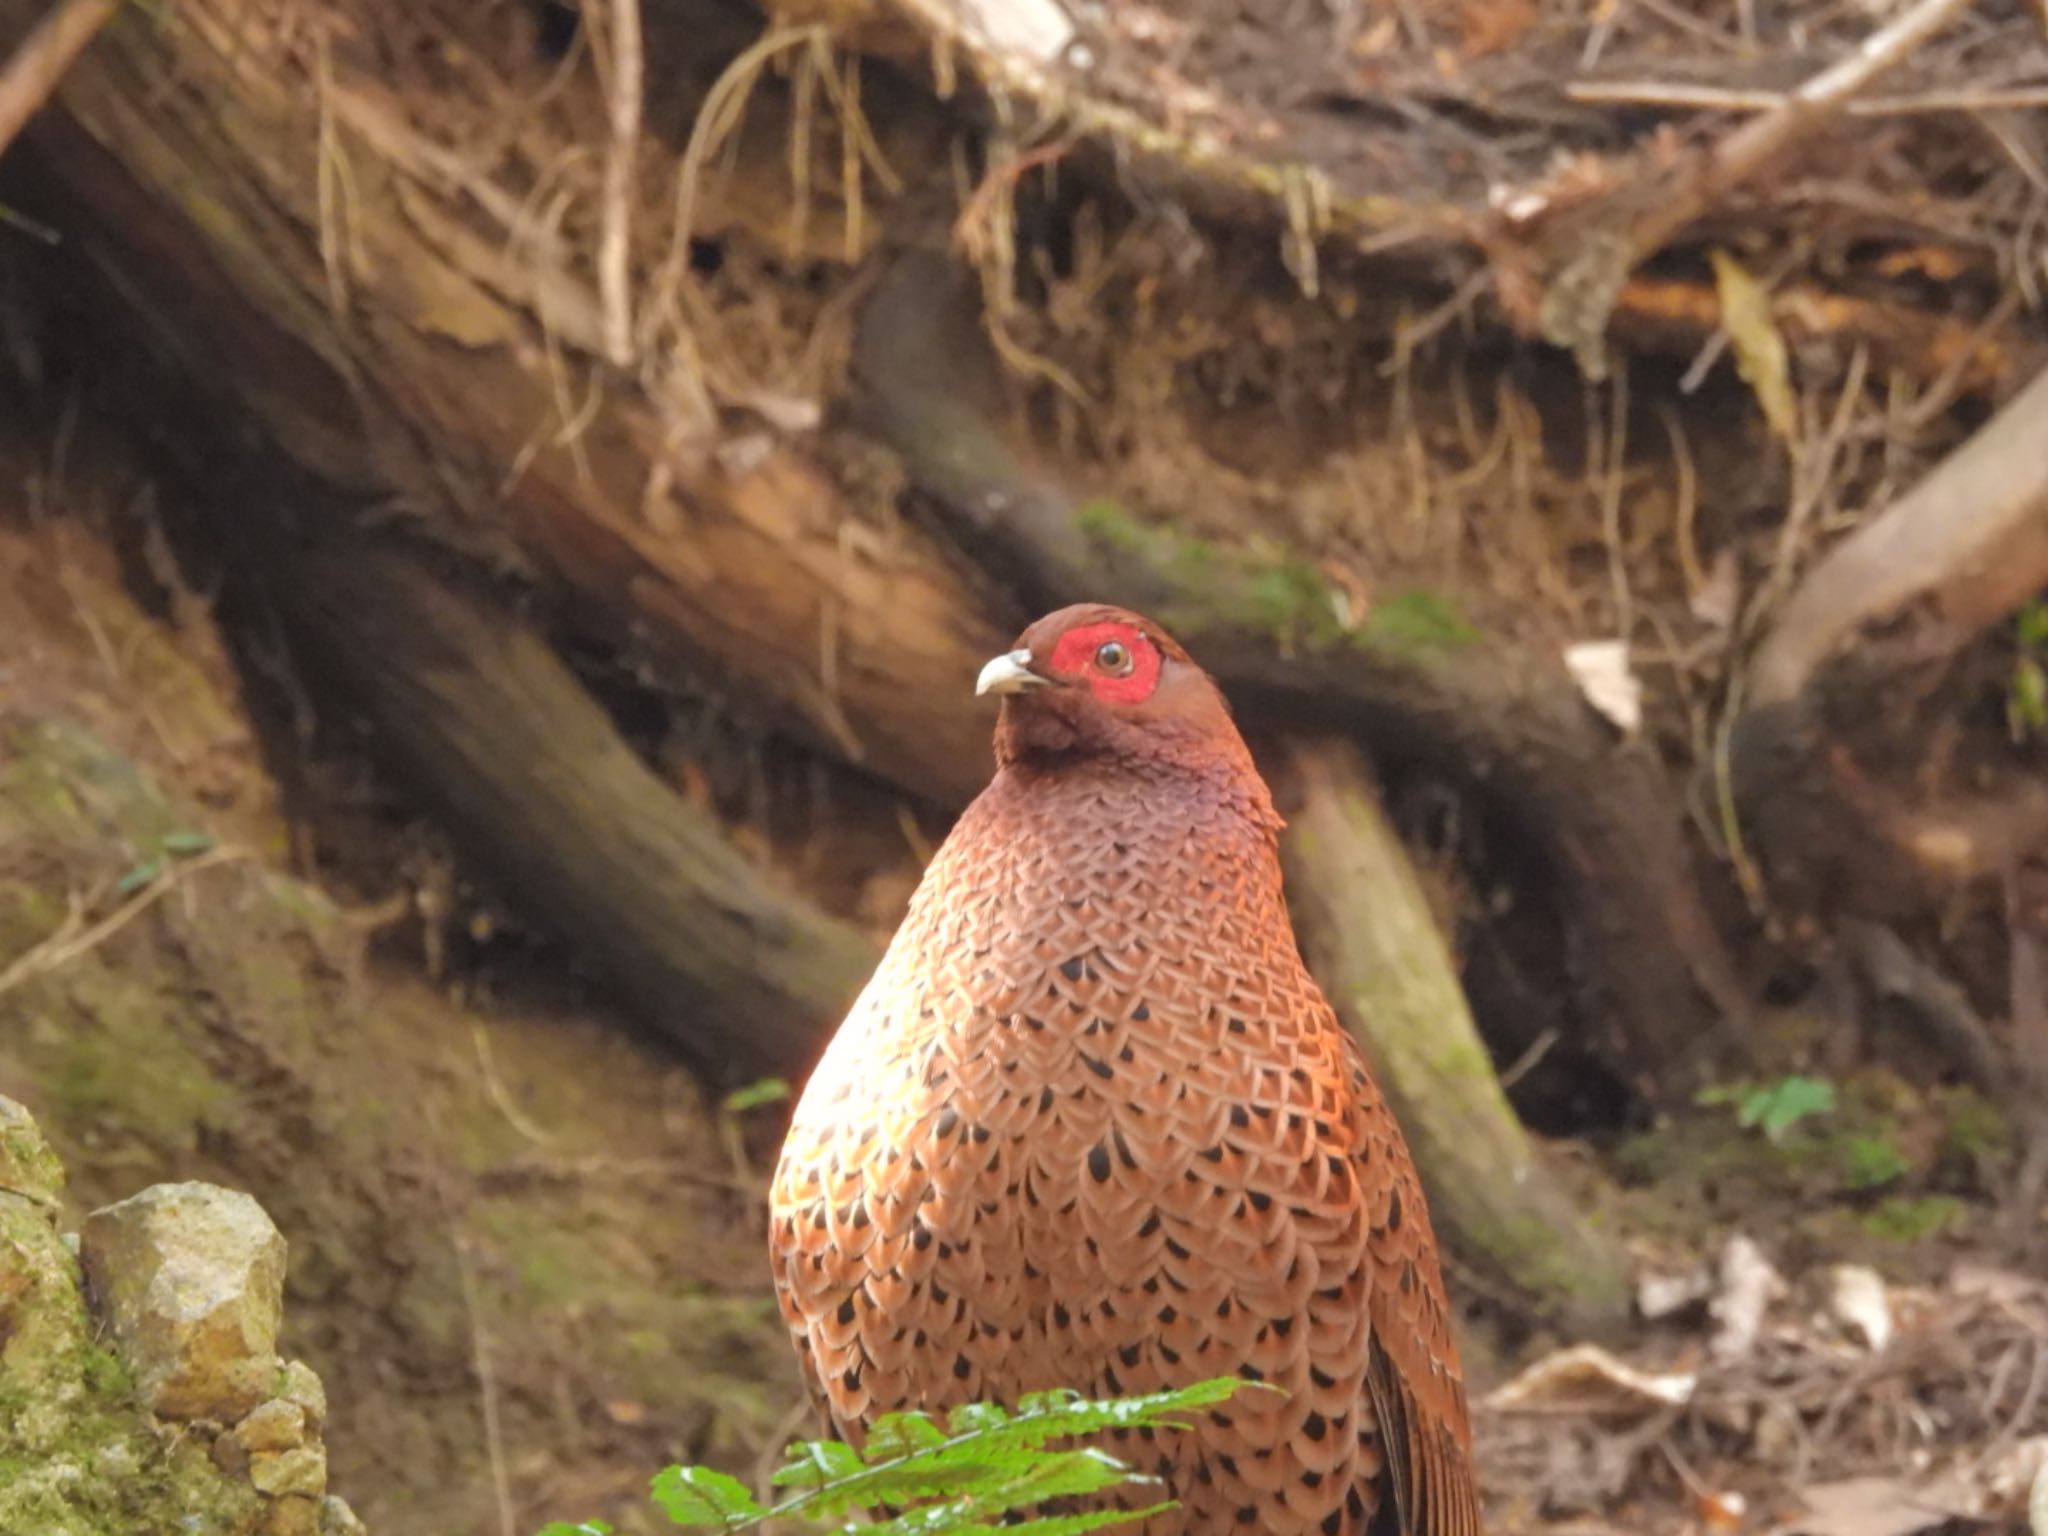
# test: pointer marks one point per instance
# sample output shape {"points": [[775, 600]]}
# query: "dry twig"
{"points": [[1757, 143], [39, 63], [73, 938], [621, 188]]}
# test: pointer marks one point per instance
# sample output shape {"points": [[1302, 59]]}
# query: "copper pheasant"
{"points": [[1093, 1125]]}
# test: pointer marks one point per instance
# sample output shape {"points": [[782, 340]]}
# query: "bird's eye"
{"points": [[1113, 657]]}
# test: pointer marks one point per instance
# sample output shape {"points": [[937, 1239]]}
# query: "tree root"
{"points": [[1368, 933]]}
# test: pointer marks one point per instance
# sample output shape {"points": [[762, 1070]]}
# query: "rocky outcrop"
{"points": [[142, 1389]]}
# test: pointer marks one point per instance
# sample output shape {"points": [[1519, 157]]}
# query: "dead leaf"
{"points": [[1760, 354], [2009, 1474], [1876, 1506], [1856, 1297], [1586, 1378], [1487, 26], [1661, 1295], [1748, 1286], [1601, 669]]}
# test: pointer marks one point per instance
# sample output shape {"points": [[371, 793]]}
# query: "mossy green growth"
{"points": [[1265, 590], [1869, 1162], [28, 1167], [666, 1342], [78, 1456], [1910, 1218], [1109, 525], [1417, 620]]}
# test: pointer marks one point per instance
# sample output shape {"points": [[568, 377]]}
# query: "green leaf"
{"points": [[1869, 1162], [769, 1090], [813, 1463], [184, 845], [1775, 1108], [966, 1479], [138, 877], [2026, 705], [2031, 628], [899, 1434], [700, 1496], [580, 1528], [1069, 1474], [976, 1418]]}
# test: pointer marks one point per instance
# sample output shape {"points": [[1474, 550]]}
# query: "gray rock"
{"points": [[278, 1425], [231, 1456], [294, 1515], [189, 1280], [302, 1470], [337, 1519], [303, 1387]]}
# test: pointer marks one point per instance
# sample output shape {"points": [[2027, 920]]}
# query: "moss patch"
{"points": [[1266, 591]]}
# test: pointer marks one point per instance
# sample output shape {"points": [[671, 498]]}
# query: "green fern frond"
{"points": [[922, 1479]]}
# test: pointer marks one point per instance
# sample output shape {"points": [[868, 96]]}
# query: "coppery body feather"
{"points": [[1093, 1125]]}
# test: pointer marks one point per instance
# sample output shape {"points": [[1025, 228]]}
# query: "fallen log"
{"points": [[1368, 934], [547, 802]]}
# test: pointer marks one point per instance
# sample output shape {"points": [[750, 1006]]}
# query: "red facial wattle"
{"points": [[1074, 655]]}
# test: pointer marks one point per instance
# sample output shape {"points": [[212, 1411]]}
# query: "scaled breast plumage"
{"points": [[1092, 1125]]}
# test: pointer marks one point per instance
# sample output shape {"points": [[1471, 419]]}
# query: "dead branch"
{"points": [[1894, 973], [43, 57], [1669, 314], [1964, 547], [75, 938], [1720, 98], [1566, 284], [1759, 142]]}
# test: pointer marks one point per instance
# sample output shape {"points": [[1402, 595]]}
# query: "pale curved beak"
{"points": [[1009, 673]]}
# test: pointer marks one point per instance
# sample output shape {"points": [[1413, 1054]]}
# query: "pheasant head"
{"points": [[1092, 681]]}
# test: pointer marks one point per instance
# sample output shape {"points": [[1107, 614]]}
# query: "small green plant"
{"points": [[1774, 1108], [170, 848], [1871, 1162], [918, 1478], [1419, 620], [1908, 1219], [766, 1090], [2026, 700]]}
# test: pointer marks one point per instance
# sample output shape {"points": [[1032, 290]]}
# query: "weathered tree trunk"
{"points": [[555, 810], [1367, 931]]}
